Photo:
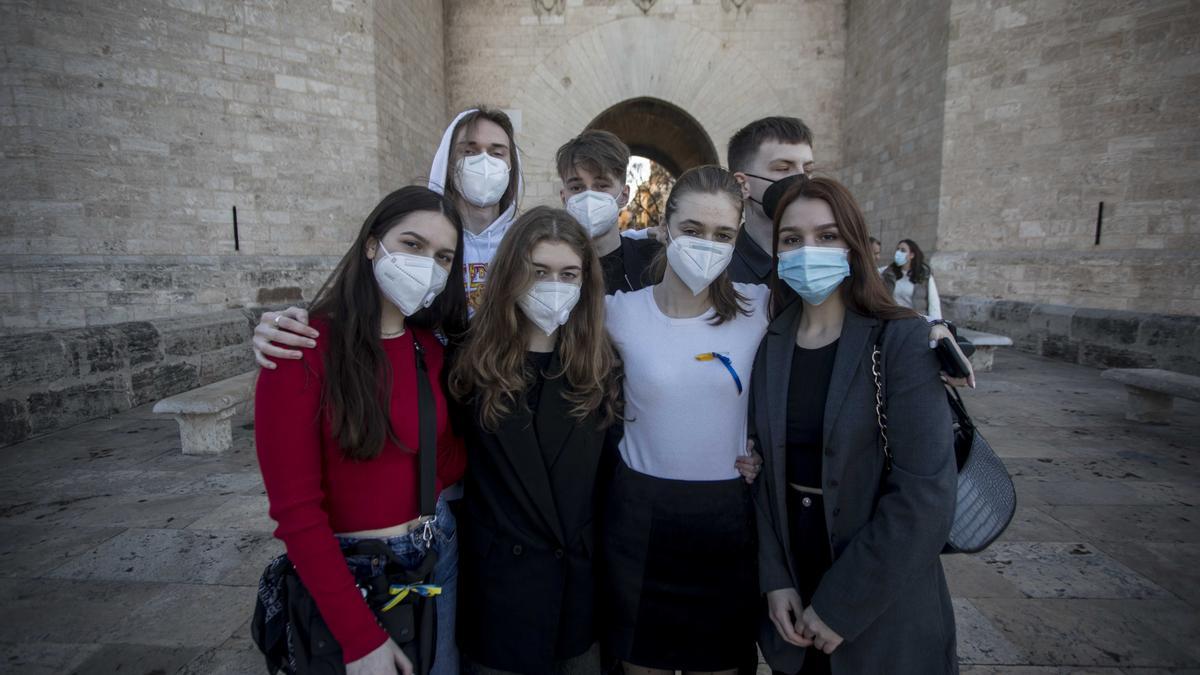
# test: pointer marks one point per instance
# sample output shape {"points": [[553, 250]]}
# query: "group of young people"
{"points": [[667, 447]]}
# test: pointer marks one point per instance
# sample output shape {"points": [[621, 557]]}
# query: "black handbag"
{"points": [[986, 498], [287, 626]]}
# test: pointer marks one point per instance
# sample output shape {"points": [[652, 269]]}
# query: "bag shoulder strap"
{"points": [[877, 369], [427, 418]]}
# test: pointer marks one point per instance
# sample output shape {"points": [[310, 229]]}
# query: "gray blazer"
{"points": [[885, 594]]}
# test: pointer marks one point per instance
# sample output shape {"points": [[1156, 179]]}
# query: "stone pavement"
{"points": [[118, 554]]}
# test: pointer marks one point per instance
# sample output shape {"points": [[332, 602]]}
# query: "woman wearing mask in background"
{"points": [[678, 537], [337, 430], [478, 168], [848, 540], [910, 281], [544, 382]]}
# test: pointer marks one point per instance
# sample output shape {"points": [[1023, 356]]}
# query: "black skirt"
{"points": [[680, 572]]}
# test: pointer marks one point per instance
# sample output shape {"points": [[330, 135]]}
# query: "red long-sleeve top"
{"points": [[315, 491]]}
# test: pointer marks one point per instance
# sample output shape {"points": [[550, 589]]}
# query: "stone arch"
{"points": [[627, 60], [659, 131]]}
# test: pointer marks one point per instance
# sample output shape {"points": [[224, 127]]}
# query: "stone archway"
{"points": [[631, 68], [659, 131]]}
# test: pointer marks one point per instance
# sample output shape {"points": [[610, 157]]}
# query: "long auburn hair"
{"points": [[919, 272], [358, 386], [468, 122], [713, 180], [491, 365], [863, 292]]}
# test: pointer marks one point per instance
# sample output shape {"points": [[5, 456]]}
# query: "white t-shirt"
{"points": [[685, 419]]}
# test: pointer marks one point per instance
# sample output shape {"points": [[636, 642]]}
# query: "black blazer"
{"points": [[885, 593], [526, 580]]}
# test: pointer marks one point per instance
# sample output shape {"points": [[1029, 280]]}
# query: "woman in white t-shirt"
{"points": [[678, 541], [911, 281]]}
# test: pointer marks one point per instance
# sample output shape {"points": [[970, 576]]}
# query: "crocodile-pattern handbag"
{"points": [[986, 499]]}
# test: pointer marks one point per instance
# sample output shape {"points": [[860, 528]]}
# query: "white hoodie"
{"points": [[478, 249]]}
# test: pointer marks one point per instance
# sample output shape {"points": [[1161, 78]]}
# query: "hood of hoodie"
{"points": [[437, 173]]}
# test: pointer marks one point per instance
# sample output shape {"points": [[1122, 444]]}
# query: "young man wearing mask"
{"points": [[478, 168], [761, 153], [592, 167]]}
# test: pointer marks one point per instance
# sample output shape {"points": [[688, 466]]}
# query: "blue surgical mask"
{"points": [[901, 258], [814, 272]]}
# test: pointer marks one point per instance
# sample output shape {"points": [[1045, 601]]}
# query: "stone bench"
{"points": [[985, 348], [1152, 392], [204, 413]]}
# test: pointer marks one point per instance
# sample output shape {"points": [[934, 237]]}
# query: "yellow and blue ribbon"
{"points": [[716, 356], [401, 591]]}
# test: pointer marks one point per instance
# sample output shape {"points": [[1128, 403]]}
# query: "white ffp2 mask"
{"points": [[698, 261], [596, 211], [548, 304], [410, 282], [482, 179]]}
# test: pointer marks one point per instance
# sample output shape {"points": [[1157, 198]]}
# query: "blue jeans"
{"points": [[410, 549]]}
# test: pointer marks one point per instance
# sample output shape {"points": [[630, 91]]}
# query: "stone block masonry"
{"points": [[55, 379], [129, 131], [1092, 337]]}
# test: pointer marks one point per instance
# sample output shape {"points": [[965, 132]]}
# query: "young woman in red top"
{"points": [[337, 430]]}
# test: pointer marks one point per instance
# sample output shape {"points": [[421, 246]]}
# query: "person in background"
{"points": [[910, 281], [337, 429], [876, 252]]}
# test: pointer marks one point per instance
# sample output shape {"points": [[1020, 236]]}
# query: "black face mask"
{"points": [[773, 194], [772, 181]]}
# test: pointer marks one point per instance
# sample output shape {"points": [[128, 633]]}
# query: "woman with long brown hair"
{"points": [[544, 384], [338, 429], [850, 521]]}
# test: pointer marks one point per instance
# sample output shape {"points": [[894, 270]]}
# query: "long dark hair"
{"points": [[918, 271], [713, 180], [358, 383], [863, 292], [468, 122], [492, 363]]}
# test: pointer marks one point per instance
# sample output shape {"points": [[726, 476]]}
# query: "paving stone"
{"points": [[134, 658], [1033, 523], [242, 513], [978, 639], [1066, 570], [32, 550], [1172, 524], [169, 617], [1114, 633], [44, 658], [63, 611], [1171, 566], [185, 556], [969, 576], [229, 659]]}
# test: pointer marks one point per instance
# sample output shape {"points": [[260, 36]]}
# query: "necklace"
{"points": [[397, 334]]}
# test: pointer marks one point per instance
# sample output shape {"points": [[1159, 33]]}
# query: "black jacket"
{"points": [[527, 593], [885, 594]]}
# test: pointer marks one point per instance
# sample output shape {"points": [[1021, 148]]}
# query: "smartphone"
{"points": [[952, 364]]}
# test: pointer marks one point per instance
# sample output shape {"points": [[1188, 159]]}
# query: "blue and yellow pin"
{"points": [[717, 356]]}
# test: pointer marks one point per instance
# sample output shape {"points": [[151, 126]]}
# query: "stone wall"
{"points": [[1101, 338], [129, 131], [892, 117], [1052, 107], [556, 70], [52, 380]]}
